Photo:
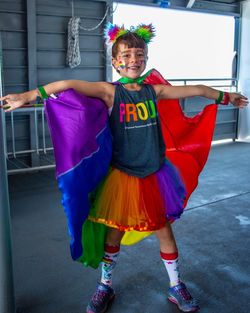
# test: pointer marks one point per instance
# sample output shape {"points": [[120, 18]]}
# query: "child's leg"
{"points": [[169, 253], [111, 252], [177, 292], [104, 293], [114, 237], [166, 239]]}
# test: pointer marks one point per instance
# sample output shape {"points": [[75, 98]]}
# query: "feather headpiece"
{"points": [[112, 32]]}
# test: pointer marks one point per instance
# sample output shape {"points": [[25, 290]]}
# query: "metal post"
{"points": [[7, 300], [32, 75], [108, 58]]}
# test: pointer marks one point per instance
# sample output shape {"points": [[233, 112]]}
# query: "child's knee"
{"points": [[114, 236], [165, 233]]}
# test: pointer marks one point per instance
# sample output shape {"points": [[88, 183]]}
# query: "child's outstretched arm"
{"points": [[177, 92], [100, 90]]}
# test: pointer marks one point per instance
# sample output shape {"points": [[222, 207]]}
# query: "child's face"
{"points": [[130, 62]]}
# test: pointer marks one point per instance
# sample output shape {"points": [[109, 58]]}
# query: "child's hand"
{"points": [[13, 101], [238, 100]]}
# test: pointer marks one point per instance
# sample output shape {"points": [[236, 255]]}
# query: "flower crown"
{"points": [[112, 32]]}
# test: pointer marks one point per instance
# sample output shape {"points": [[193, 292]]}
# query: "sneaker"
{"points": [[101, 299], [182, 298]]}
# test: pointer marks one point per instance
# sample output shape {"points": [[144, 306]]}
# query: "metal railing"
{"points": [[36, 152], [32, 150], [224, 84]]}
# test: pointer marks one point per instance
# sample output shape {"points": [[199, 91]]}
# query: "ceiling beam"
{"points": [[206, 6], [190, 3]]}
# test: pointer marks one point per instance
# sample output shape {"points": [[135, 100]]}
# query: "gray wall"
{"points": [[34, 33], [34, 36]]}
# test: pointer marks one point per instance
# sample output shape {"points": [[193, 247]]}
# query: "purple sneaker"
{"points": [[182, 298], [101, 299]]}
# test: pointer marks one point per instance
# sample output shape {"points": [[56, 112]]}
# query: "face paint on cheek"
{"points": [[121, 65], [144, 60]]}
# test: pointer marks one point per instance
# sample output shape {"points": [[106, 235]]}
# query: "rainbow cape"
{"points": [[83, 149]]}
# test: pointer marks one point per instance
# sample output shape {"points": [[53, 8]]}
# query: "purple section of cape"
{"points": [[75, 120]]}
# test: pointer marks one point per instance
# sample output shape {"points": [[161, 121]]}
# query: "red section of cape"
{"points": [[188, 139]]}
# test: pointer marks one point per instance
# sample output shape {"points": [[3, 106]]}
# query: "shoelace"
{"points": [[99, 296], [185, 294]]}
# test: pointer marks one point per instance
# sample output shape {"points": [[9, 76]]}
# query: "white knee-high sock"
{"points": [[108, 263], [170, 261]]}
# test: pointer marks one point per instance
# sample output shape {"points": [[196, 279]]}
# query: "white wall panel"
{"points": [[244, 75]]}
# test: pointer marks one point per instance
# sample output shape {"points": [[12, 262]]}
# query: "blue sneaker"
{"points": [[182, 298], [101, 299]]}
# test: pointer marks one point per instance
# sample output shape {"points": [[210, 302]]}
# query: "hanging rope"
{"points": [[99, 24], [73, 58]]}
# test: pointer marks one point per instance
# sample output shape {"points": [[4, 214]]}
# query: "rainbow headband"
{"points": [[112, 32]]}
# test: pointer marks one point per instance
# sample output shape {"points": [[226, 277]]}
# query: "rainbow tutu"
{"points": [[130, 203]]}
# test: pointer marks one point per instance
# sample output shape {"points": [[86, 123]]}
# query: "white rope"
{"points": [[73, 58], [72, 9], [99, 24]]}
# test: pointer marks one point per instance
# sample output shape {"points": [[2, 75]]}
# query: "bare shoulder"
{"points": [[107, 87], [108, 93], [159, 89]]}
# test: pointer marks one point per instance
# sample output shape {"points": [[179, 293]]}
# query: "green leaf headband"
{"points": [[112, 32]]}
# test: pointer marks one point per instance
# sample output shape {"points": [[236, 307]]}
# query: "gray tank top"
{"points": [[138, 146]]}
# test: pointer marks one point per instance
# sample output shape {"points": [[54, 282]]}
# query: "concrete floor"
{"points": [[213, 239]]}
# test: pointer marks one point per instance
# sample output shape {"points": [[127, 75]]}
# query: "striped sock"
{"points": [[170, 261], [108, 263]]}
